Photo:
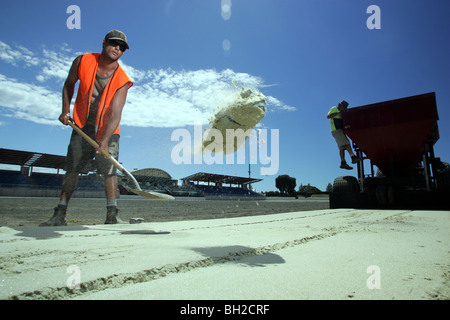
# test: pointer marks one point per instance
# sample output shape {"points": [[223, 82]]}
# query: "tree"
{"points": [[308, 190], [285, 184], [329, 188]]}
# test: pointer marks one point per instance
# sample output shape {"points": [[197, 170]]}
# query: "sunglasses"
{"points": [[115, 43]]}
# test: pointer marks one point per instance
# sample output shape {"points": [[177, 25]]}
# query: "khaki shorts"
{"points": [[81, 156], [341, 139]]}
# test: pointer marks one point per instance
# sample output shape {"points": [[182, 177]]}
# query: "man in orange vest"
{"points": [[102, 92]]}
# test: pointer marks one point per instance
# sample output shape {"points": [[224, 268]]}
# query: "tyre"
{"points": [[345, 192]]}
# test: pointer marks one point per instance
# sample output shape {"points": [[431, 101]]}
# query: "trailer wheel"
{"points": [[345, 192]]}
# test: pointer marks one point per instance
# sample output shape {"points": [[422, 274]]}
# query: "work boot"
{"points": [[355, 159], [58, 218], [112, 215], [344, 165]]}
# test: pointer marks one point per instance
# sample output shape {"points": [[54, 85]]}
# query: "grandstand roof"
{"points": [[31, 159], [219, 178], [151, 172]]}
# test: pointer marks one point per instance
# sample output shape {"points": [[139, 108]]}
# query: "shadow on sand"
{"points": [[42, 233], [240, 254]]}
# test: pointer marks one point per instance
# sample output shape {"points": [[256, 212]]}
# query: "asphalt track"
{"points": [[18, 211]]}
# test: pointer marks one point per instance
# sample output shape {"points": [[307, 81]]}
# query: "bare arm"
{"points": [[117, 104], [68, 89], [332, 115]]}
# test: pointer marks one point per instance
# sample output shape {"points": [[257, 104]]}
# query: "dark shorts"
{"points": [[81, 156]]}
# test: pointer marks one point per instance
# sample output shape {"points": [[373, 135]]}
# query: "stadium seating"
{"points": [[14, 183], [46, 180], [214, 192], [13, 178], [89, 182]]}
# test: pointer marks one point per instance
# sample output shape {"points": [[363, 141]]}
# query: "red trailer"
{"points": [[397, 137]]}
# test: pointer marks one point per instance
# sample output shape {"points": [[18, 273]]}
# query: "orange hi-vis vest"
{"points": [[87, 71]]}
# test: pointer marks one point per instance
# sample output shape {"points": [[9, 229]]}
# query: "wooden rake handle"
{"points": [[95, 145], [104, 153]]}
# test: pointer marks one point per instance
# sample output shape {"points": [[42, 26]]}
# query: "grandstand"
{"points": [[208, 185], [213, 186], [25, 182], [152, 179]]}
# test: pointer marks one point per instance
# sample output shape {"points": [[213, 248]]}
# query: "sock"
{"points": [[111, 202], [62, 204]]}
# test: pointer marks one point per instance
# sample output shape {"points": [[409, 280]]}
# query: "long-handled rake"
{"points": [[137, 190]]}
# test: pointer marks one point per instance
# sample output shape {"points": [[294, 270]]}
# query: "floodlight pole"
{"points": [[249, 165]]}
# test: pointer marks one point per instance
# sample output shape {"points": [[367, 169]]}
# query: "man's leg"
{"points": [[112, 211], [111, 187], [109, 173], [344, 164], [342, 154], [355, 159], [79, 155], [343, 144], [69, 185]]}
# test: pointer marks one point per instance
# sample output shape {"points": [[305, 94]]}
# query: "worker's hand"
{"points": [[64, 118], [102, 148]]}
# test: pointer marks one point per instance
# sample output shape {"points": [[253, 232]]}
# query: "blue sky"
{"points": [[304, 55]]}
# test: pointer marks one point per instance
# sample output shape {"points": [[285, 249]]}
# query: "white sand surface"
{"points": [[324, 254]]}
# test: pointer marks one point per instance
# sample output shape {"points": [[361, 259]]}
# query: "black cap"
{"points": [[344, 103], [117, 35]]}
